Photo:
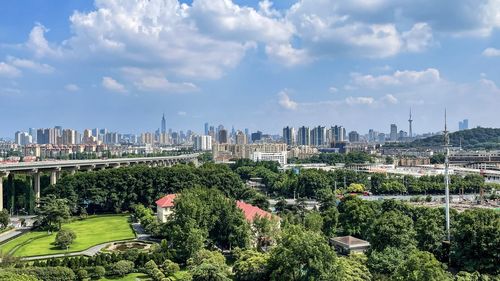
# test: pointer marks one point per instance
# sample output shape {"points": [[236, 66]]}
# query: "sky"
{"points": [[121, 64]]}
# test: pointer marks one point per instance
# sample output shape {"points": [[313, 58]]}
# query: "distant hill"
{"points": [[475, 139]]}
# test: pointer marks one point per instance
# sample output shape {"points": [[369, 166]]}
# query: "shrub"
{"points": [[64, 238], [122, 268]]}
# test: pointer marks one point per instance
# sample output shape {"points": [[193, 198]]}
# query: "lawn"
{"points": [[130, 277], [89, 232]]}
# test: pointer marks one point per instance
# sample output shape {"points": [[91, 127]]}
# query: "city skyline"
{"points": [[293, 62]]}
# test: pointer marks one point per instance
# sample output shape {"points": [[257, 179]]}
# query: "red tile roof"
{"points": [[249, 211], [166, 201]]}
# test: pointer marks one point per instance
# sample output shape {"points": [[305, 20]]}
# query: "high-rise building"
{"points": [[339, 133], [381, 138], [163, 124], [257, 136], [353, 136], [402, 135], [289, 135], [241, 138], [23, 138], [32, 132], [147, 138], [304, 136], [318, 136], [463, 125], [394, 132], [68, 137], [206, 129], [223, 138], [201, 143]]}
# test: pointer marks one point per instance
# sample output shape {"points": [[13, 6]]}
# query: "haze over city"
{"points": [[249, 64]]}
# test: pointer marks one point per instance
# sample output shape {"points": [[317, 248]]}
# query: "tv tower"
{"points": [[447, 177], [410, 133]]}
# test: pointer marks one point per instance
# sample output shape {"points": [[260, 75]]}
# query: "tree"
{"points": [[99, 271], [356, 216], [64, 238], [302, 255], [170, 267], [251, 265], [385, 261], [356, 188], [208, 266], [122, 268], [330, 221], [4, 218], [266, 231], [476, 241], [313, 221], [52, 211], [429, 227], [353, 268], [421, 266], [392, 229]]}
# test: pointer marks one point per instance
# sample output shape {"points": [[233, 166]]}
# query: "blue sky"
{"points": [[120, 64]]}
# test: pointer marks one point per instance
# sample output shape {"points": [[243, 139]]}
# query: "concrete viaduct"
{"points": [[56, 167]]}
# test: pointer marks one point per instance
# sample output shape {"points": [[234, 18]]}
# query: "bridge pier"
{"points": [[54, 175], [36, 180], [2, 175]]}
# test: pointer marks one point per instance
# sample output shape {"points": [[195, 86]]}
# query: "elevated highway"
{"points": [[56, 167]]}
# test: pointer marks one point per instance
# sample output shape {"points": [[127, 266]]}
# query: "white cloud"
{"points": [[156, 83], [112, 85], [72, 88], [418, 38], [31, 65], [359, 100], [286, 102], [39, 45], [390, 99], [182, 113], [7, 70], [225, 19], [287, 55], [491, 52], [405, 77], [333, 89]]}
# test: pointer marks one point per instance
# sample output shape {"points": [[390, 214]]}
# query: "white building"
{"points": [[279, 157], [202, 143], [23, 138]]}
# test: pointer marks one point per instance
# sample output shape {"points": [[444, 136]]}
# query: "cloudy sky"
{"points": [[120, 64]]}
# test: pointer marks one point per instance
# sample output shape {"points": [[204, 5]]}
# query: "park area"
{"points": [[91, 231]]}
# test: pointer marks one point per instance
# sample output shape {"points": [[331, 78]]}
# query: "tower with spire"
{"points": [[163, 124], [410, 121]]}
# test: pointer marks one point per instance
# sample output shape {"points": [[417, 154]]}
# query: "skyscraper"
{"points": [[463, 125], [257, 136], [339, 134], [318, 136], [164, 124], [289, 135], [304, 136], [223, 136], [394, 132], [206, 129], [241, 138], [353, 136]]}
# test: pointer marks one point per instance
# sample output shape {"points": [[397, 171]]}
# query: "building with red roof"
{"points": [[165, 205]]}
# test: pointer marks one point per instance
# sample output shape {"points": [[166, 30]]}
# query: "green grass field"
{"points": [[130, 277], [89, 232]]}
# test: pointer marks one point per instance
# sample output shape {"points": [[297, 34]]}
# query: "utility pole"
{"points": [[447, 177]]}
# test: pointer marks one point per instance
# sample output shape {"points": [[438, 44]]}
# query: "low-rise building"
{"points": [[348, 244]]}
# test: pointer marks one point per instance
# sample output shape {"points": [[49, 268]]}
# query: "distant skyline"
{"points": [[248, 64]]}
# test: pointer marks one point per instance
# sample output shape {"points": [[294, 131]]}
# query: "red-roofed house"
{"points": [[251, 211], [164, 207]]}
